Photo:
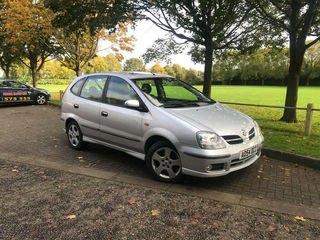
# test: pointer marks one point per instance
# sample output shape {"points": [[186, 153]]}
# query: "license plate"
{"points": [[248, 152]]}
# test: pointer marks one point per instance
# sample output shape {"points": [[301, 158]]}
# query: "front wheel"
{"points": [[75, 136], [164, 162], [41, 99]]}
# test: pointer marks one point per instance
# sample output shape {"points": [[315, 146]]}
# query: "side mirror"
{"points": [[132, 103]]}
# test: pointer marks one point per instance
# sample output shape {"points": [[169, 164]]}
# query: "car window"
{"points": [[119, 91], [75, 88], [4, 84], [93, 88], [17, 84]]}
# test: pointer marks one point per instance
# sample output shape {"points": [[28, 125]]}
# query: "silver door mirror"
{"points": [[132, 103]]}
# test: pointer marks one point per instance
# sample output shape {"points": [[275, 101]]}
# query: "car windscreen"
{"points": [[170, 93]]}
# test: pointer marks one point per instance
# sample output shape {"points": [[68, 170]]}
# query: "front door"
{"points": [[120, 125]]}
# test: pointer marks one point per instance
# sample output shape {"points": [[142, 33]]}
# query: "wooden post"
{"points": [[61, 94], [308, 123]]}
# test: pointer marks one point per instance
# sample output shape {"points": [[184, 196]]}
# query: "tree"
{"points": [[83, 24], [170, 71], [311, 64], [27, 26], [93, 15], [97, 64], [134, 64], [208, 25], [178, 71], [54, 69], [298, 19], [112, 63], [7, 58], [156, 68]]}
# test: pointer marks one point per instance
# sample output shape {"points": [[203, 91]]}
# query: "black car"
{"points": [[12, 91]]}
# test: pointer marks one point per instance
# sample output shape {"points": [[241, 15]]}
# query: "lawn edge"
{"points": [[291, 157]]}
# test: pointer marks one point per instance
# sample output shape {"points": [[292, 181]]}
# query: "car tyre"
{"points": [[41, 99], [164, 162], [75, 137]]}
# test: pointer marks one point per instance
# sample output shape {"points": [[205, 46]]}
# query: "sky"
{"points": [[146, 33]]}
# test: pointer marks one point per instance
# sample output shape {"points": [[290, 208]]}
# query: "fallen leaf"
{"points": [[215, 225], [131, 201], [89, 165], [197, 216], [258, 177], [82, 160], [289, 141], [264, 156], [41, 172], [271, 228], [194, 222], [44, 177], [55, 146], [170, 238], [71, 216], [79, 157], [300, 218], [286, 228], [260, 197], [219, 206], [155, 212], [15, 170]]}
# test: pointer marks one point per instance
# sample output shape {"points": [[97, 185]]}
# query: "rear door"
{"points": [[87, 105], [121, 125]]}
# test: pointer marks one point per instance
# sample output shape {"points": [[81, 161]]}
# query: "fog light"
{"points": [[208, 168]]}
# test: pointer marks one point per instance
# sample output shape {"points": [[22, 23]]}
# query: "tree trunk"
{"points": [[7, 71], [208, 70], [78, 72], [34, 77], [290, 115]]}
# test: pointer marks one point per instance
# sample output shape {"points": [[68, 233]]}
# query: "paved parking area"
{"points": [[35, 132]]}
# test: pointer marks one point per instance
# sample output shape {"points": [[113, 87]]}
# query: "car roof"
{"points": [[131, 75]]}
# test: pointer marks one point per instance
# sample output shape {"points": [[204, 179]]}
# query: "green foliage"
{"points": [[134, 64], [54, 70], [156, 68], [78, 15], [113, 63], [260, 65]]}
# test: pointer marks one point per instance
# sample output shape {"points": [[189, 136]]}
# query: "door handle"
{"points": [[76, 106], [104, 114]]}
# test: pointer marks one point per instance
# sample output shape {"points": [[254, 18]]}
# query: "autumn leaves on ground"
{"points": [[40, 203]]}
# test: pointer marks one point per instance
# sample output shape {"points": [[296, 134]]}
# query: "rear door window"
{"points": [[93, 88]]}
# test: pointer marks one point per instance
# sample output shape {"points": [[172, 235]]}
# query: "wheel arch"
{"points": [[156, 138]]}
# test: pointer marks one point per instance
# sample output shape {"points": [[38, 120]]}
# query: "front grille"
{"points": [[251, 133], [233, 139]]}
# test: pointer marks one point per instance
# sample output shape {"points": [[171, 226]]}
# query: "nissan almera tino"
{"points": [[157, 118]]}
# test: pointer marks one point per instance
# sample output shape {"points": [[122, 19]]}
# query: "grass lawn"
{"points": [[278, 135]]}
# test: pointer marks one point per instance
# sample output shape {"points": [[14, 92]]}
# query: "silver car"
{"points": [[170, 125]]}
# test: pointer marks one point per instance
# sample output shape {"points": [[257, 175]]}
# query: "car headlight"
{"points": [[210, 140], [257, 128]]}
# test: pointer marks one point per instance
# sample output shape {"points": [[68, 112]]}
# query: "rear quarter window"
{"points": [[76, 87]]}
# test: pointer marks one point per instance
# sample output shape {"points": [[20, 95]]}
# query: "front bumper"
{"points": [[223, 161]]}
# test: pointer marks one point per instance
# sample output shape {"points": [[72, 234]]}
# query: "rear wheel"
{"points": [[75, 136], [164, 162], [41, 99]]}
